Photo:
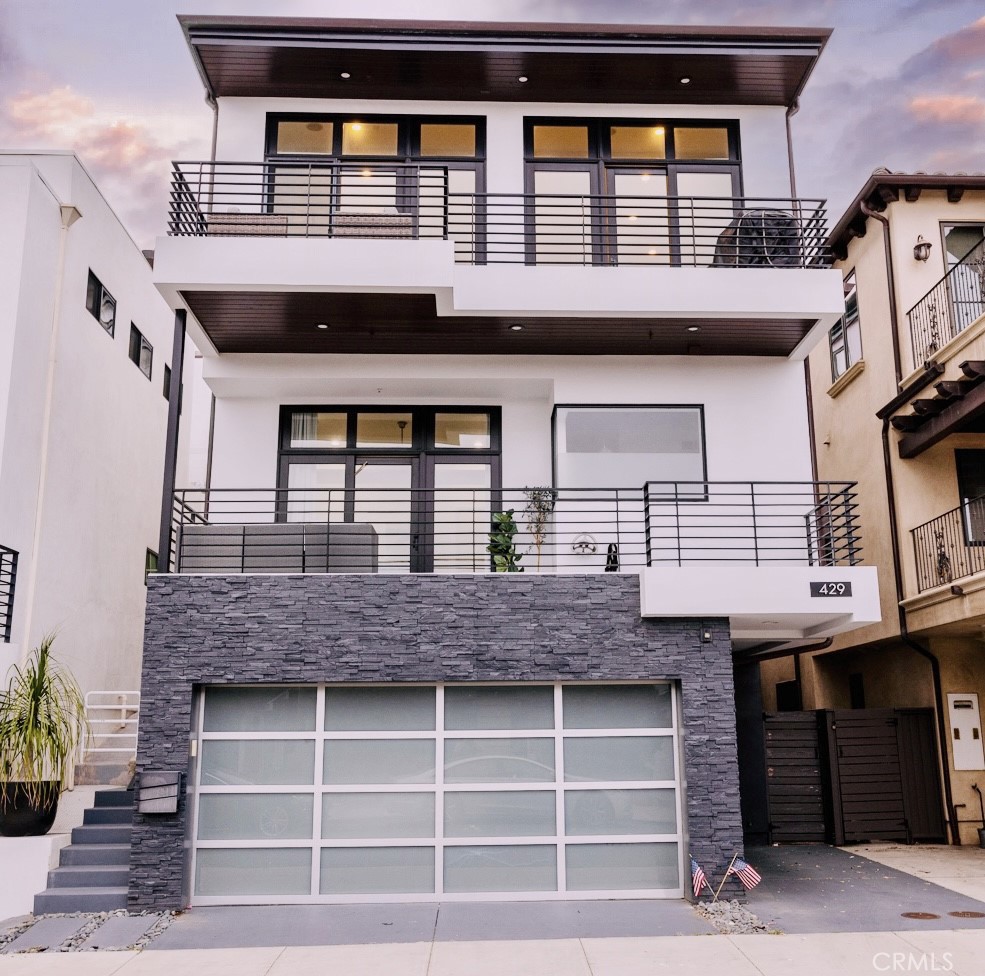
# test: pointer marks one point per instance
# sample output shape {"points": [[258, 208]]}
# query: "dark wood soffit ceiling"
{"points": [[286, 322], [281, 57]]}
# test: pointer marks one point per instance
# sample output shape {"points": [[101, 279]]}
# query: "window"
{"points": [[845, 338], [629, 447], [150, 564], [141, 351], [167, 382], [970, 466], [101, 304], [8, 579]]}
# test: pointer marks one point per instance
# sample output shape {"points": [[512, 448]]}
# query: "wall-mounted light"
{"points": [[921, 250]]}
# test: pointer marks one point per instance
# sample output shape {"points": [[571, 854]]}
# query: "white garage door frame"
{"points": [[560, 840]]}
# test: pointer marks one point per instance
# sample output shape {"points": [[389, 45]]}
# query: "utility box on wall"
{"points": [[965, 723]]}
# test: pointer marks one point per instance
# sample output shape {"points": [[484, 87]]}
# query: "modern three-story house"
{"points": [[509, 462]]}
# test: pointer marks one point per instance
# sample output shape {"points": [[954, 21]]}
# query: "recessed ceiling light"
{"points": [[523, 79], [685, 81], [345, 74], [322, 325], [694, 328], [516, 328]]}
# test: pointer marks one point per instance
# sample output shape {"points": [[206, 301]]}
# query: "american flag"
{"points": [[698, 880], [746, 873]]}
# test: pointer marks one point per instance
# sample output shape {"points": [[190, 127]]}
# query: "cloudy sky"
{"points": [[901, 84]]}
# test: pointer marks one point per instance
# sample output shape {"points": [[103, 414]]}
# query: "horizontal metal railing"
{"points": [[113, 718], [951, 546], [8, 584], [414, 201], [954, 303], [452, 530]]}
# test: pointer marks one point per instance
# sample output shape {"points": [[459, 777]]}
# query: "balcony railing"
{"points": [[8, 583], [452, 530], [951, 546], [956, 301], [415, 201]]}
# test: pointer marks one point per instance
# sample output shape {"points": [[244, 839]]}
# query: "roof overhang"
{"points": [[418, 60]]}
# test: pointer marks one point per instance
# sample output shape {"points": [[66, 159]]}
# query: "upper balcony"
{"points": [[393, 259]]}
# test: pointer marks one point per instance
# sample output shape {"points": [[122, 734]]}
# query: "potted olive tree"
{"points": [[42, 722]]}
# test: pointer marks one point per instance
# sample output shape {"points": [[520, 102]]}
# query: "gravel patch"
{"points": [[89, 924], [732, 918]]}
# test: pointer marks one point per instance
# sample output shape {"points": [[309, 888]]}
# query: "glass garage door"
{"points": [[454, 792]]}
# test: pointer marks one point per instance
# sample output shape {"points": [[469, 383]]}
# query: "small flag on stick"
{"points": [[745, 872], [698, 880]]}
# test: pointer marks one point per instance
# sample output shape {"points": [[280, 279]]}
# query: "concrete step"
{"points": [[114, 798], [101, 834], [89, 876], [95, 854], [60, 900], [108, 815]]}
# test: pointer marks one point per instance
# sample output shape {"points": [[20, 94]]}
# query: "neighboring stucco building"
{"points": [[84, 351], [544, 290], [899, 402]]}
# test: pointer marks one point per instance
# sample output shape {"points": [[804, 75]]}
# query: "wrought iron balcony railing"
{"points": [[951, 546], [8, 583], [463, 531], [416, 201], [956, 301]]}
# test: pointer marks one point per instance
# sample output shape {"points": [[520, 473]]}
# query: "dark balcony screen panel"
{"points": [[626, 447], [305, 137]]}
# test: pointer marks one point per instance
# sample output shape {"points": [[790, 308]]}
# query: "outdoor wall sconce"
{"points": [[921, 250], [584, 545]]}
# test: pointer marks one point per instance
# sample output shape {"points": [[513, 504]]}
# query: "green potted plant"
{"points": [[42, 722], [502, 545]]}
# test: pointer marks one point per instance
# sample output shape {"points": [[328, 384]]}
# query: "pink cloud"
{"points": [[961, 109]]}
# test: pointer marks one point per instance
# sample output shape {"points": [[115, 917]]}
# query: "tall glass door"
{"points": [[383, 498]]}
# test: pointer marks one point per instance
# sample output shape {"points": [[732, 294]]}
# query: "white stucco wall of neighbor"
{"points": [[82, 428]]}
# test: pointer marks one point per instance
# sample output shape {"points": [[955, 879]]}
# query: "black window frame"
{"points": [[839, 332], [8, 589], [96, 294], [141, 344]]}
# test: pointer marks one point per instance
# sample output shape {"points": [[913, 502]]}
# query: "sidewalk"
{"points": [[847, 954]]}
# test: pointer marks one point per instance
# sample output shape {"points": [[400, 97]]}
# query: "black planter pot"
{"points": [[20, 818]]}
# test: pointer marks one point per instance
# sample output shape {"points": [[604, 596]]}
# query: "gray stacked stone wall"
{"points": [[207, 630]]}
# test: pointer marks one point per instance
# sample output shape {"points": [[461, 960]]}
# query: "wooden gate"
{"points": [[794, 784]]}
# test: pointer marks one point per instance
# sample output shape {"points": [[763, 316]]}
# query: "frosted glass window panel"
{"points": [[462, 513], [373, 761], [253, 871], [700, 142], [499, 708], [447, 139], [626, 447], [563, 216], [376, 870], [560, 141], [499, 760], [705, 210], [383, 498], [258, 816], [617, 707], [638, 141], [377, 815], [501, 868], [379, 709], [258, 762], [262, 709], [316, 492], [369, 138], [620, 812], [619, 759], [606, 867], [305, 137], [469, 430], [316, 429], [642, 228], [513, 813]]}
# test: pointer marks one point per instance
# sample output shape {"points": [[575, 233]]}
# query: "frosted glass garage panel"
{"points": [[376, 870], [611, 758], [603, 867], [617, 707], [259, 710], [493, 813], [374, 761], [529, 867], [379, 709], [620, 812], [379, 815], [258, 762], [499, 760], [499, 708], [258, 816], [626, 447], [253, 871]]}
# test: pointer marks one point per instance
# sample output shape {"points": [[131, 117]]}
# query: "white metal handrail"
{"points": [[113, 719]]}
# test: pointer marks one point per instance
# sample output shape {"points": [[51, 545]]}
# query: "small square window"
{"points": [[141, 351], [101, 304]]}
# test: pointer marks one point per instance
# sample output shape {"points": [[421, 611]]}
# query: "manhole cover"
{"points": [[967, 914], [926, 916]]}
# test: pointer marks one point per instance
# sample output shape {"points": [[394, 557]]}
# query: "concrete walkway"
{"points": [[960, 869], [847, 954]]}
